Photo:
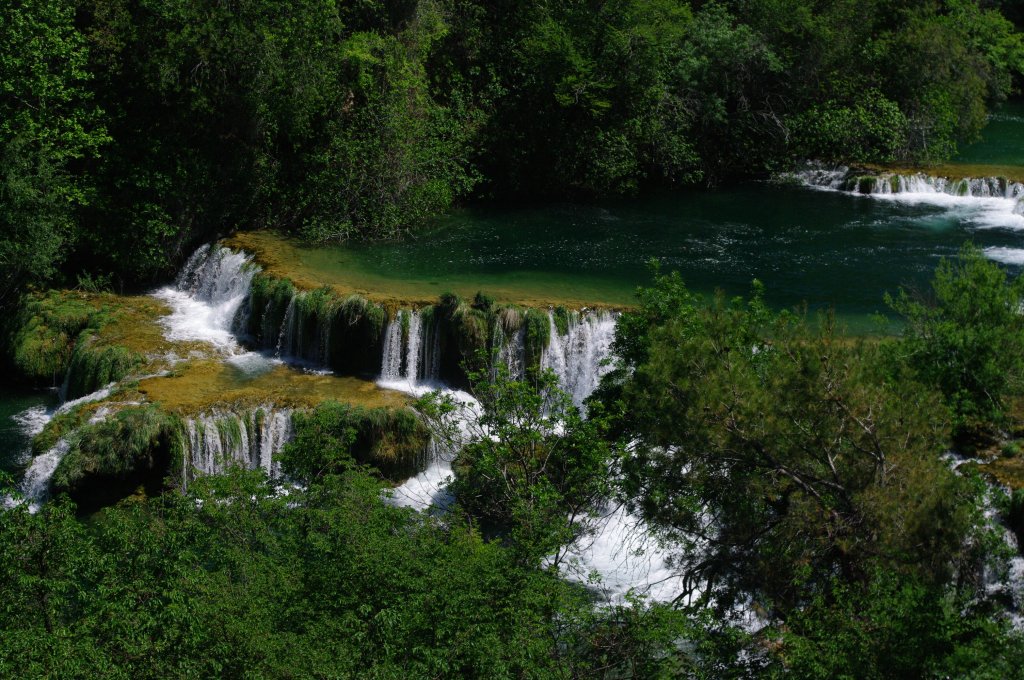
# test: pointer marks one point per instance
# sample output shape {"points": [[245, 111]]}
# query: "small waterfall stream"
{"points": [[35, 485], [988, 202], [207, 298], [578, 357], [411, 353], [250, 439]]}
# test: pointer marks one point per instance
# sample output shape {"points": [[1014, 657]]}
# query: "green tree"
{"points": [[48, 123], [527, 463], [776, 455], [966, 337]]}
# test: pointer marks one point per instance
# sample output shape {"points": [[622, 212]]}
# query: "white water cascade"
{"points": [[208, 304], [35, 485], [401, 357], [411, 353], [207, 298], [578, 357], [620, 550], [221, 439], [985, 202]]}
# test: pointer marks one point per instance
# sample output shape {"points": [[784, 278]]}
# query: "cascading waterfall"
{"points": [[891, 184], [981, 203], [207, 301], [578, 356], [391, 363], [35, 485], [985, 202], [212, 301], [511, 350], [221, 439], [411, 351]]}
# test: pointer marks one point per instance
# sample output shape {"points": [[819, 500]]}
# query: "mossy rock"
{"points": [[537, 336], [109, 460], [866, 185], [46, 331], [268, 302], [94, 365], [357, 337]]}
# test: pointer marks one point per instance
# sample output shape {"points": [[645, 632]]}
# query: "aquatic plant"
{"points": [[94, 365], [269, 298], [537, 336]]}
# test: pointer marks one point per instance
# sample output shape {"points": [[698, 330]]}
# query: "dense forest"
{"points": [[797, 476], [132, 130], [824, 499]]}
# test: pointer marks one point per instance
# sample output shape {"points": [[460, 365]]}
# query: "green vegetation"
{"points": [[805, 472], [967, 338], [530, 466], [81, 336], [789, 469], [47, 329], [325, 581], [109, 459], [134, 129], [334, 438]]}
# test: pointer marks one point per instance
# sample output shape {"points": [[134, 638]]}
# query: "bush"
{"points": [[966, 337]]}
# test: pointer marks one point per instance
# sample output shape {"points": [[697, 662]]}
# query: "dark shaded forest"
{"points": [[132, 130]]}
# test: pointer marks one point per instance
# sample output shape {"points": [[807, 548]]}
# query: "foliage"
{"points": [[328, 581], [334, 438], [48, 122], [95, 364], [895, 627], [966, 337], [47, 328], [776, 455], [527, 463], [130, 447]]}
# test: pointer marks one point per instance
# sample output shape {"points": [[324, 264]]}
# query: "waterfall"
{"points": [[411, 351], [986, 202], [208, 300], [289, 327], [578, 356], [218, 440], [891, 184], [414, 339], [391, 362], [35, 485], [511, 350]]}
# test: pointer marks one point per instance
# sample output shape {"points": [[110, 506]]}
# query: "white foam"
{"points": [[32, 420], [1006, 255], [207, 298], [35, 484], [986, 203], [194, 320], [626, 558], [578, 357]]}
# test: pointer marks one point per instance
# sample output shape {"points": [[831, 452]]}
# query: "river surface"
{"points": [[22, 414], [805, 245], [825, 249], [1002, 140]]}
